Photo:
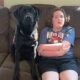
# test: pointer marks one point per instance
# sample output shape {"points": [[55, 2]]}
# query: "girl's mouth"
{"points": [[59, 23]]}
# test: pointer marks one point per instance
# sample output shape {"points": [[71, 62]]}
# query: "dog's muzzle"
{"points": [[28, 19]]}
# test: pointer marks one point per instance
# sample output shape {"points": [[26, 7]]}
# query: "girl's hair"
{"points": [[67, 18], [59, 9]]}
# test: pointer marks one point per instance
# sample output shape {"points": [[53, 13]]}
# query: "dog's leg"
{"points": [[17, 70], [34, 34], [35, 48], [33, 69]]}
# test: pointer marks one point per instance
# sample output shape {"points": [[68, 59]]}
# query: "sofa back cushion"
{"points": [[74, 13], [46, 12]]}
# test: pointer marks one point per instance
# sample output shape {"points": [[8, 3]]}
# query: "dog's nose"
{"points": [[28, 18]]}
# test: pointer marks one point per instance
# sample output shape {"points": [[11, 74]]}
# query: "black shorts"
{"points": [[58, 65]]}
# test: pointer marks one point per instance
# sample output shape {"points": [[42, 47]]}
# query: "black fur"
{"points": [[22, 47]]}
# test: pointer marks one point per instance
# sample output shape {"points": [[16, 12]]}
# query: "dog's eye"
{"points": [[24, 11], [33, 11]]}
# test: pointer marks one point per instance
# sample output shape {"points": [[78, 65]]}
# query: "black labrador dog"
{"points": [[25, 39]]}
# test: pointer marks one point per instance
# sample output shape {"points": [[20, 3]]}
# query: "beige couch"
{"points": [[7, 26]]}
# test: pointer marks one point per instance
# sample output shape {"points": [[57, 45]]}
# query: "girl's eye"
{"points": [[61, 16], [56, 17]]}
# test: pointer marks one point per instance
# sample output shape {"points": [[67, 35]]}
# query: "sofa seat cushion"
{"points": [[8, 63], [4, 43], [2, 57], [7, 74]]}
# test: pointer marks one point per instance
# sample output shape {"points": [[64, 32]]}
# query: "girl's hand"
{"points": [[66, 45], [39, 49]]}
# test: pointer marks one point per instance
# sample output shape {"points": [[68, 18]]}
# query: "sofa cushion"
{"points": [[74, 13], [7, 74], [45, 18], [4, 43], [2, 58], [7, 69], [46, 14], [8, 63], [77, 48], [78, 61], [4, 29]]}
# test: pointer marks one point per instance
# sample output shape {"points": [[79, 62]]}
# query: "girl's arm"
{"points": [[58, 49]]}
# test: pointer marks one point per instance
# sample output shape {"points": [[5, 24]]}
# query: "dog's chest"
{"points": [[26, 52]]}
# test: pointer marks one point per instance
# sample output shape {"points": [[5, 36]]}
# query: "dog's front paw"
{"points": [[35, 78], [16, 78]]}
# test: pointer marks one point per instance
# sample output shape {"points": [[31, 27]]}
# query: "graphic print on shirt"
{"points": [[54, 37]]}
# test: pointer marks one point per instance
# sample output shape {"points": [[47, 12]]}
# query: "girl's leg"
{"points": [[69, 75], [50, 75]]}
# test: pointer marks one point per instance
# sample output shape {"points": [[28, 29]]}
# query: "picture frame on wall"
{"points": [[1, 2]]}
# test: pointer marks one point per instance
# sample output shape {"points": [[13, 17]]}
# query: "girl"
{"points": [[56, 50]]}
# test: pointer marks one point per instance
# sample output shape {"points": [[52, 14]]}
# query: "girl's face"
{"points": [[58, 19]]}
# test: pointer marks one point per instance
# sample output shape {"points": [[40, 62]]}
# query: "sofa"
{"points": [[7, 27]]}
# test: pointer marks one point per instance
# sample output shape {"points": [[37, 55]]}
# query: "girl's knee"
{"points": [[50, 75], [69, 75]]}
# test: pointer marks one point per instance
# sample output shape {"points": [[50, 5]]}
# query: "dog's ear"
{"points": [[38, 12], [17, 13]]}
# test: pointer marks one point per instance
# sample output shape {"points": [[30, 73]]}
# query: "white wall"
{"points": [[9, 3]]}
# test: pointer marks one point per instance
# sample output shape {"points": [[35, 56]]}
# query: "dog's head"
{"points": [[27, 16]]}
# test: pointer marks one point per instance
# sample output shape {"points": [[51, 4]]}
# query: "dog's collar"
{"points": [[29, 36]]}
